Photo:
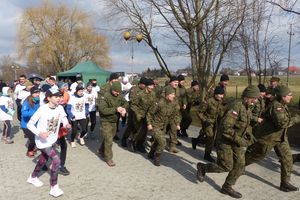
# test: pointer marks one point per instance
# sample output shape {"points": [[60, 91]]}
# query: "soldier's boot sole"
{"points": [[231, 192]]}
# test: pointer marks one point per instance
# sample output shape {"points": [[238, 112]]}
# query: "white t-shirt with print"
{"points": [[47, 119], [78, 107], [91, 100], [8, 103]]}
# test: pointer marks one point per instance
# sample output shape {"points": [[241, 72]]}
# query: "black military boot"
{"points": [[227, 189], [208, 157], [200, 171], [184, 133], [151, 154], [194, 143], [296, 158], [156, 160], [287, 187], [141, 148]]}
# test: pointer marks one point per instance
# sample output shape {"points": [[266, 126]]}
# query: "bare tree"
{"points": [[202, 30], [57, 37]]}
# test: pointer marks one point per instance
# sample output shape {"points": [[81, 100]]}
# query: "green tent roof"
{"points": [[88, 70]]}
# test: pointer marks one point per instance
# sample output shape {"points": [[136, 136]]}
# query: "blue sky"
{"points": [[11, 11]]}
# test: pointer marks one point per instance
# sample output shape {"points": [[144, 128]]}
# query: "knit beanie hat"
{"points": [[251, 91], [224, 77], [116, 86], [219, 90]]}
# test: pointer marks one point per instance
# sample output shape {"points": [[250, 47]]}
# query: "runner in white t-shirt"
{"points": [[45, 127]]}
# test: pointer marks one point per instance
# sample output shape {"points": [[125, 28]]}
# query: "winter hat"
{"points": [[180, 77], [282, 91], [113, 76], [62, 85], [143, 80], [251, 91], [34, 89], [274, 78], [224, 77], [45, 87], [169, 90], [193, 83], [149, 81], [173, 78], [79, 87], [219, 90], [116, 86]]}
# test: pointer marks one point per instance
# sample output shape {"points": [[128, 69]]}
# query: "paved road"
{"points": [[134, 177]]}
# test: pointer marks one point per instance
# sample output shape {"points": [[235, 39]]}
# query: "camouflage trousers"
{"points": [[159, 143], [230, 159], [260, 149], [210, 138], [130, 128], [108, 131], [172, 132], [186, 119]]}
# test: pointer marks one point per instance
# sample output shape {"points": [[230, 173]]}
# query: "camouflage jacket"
{"points": [[210, 111], [108, 105], [235, 126], [141, 103], [277, 119], [161, 112], [182, 97], [193, 98], [258, 110]]}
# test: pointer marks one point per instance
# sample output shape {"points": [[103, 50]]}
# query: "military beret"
{"points": [[282, 91], [224, 77], [262, 88], [251, 91], [116, 86], [169, 90], [149, 81], [180, 77], [219, 90], [113, 76], [173, 78], [143, 80], [274, 79], [193, 83]]}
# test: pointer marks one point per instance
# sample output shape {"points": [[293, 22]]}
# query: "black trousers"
{"points": [[63, 150], [31, 139], [82, 123], [91, 119]]}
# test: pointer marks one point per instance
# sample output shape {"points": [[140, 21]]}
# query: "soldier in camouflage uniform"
{"points": [[273, 134], [131, 128], [232, 140], [106, 87], [193, 99], [209, 113], [111, 104], [171, 126], [258, 109], [159, 114], [140, 106], [183, 103]]}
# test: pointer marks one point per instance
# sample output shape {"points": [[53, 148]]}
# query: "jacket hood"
{"points": [[5, 91]]}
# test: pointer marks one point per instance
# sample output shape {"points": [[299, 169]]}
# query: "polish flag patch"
{"points": [[234, 114]]}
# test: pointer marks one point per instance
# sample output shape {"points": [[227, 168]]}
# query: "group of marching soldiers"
{"points": [[243, 131]]}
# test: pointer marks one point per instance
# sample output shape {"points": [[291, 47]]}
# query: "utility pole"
{"points": [[289, 55]]}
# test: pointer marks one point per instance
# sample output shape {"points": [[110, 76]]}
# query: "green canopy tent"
{"points": [[87, 70]]}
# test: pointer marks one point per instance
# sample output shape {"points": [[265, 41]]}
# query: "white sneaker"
{"points": [[81, 141], [73, 144], [56, 191], [35, 181]]}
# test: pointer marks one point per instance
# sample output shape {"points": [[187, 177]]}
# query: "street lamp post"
{"points": [[135, 36], [15, 68]]}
